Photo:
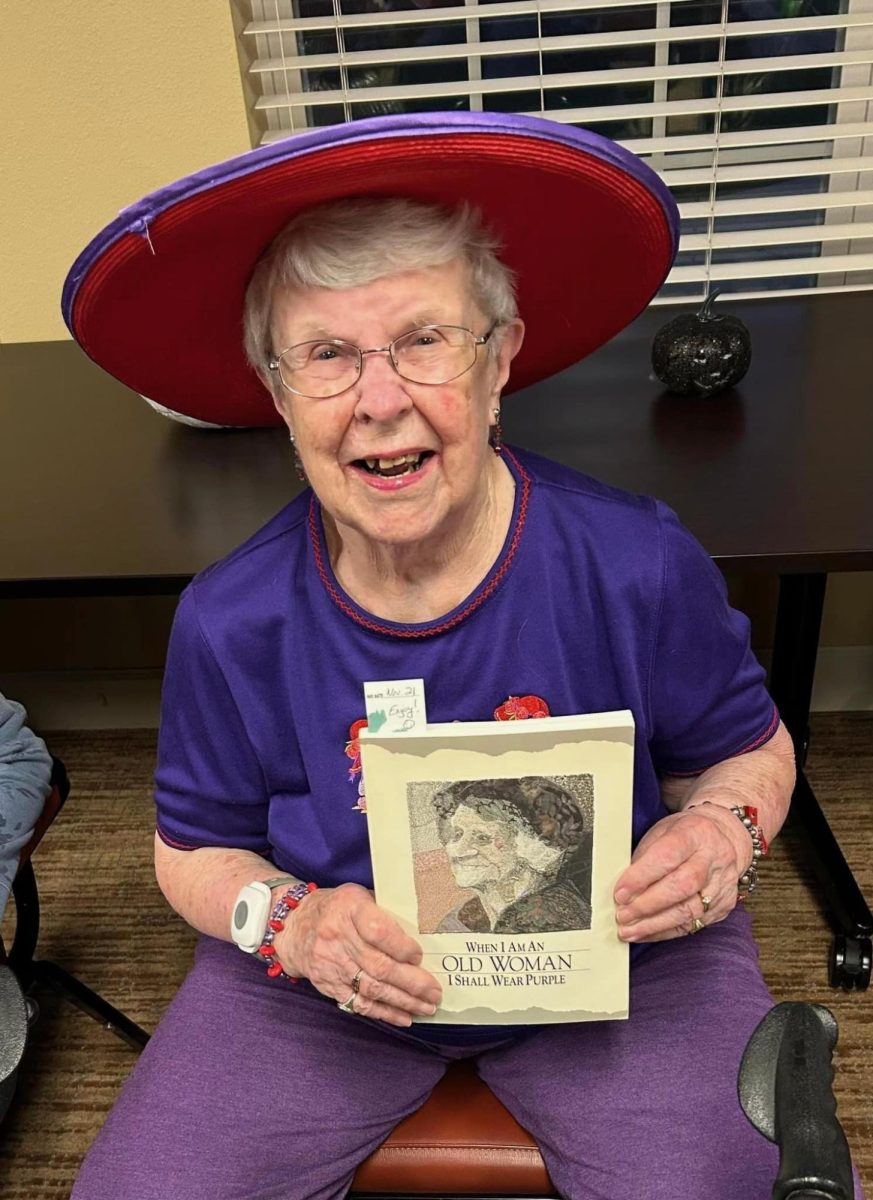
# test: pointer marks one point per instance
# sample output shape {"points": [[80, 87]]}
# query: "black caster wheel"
{"points": [[850, 962]]}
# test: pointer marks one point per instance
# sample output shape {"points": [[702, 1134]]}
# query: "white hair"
{"points": [[348, 243]]}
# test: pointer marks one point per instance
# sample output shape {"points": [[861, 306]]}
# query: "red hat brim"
{"points": [[590, 232]]}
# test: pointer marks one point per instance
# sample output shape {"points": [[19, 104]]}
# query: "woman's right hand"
{"points": [[335, 932]]}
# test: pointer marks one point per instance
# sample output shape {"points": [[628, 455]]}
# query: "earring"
{"points": [[495, 436], [298, 462]]}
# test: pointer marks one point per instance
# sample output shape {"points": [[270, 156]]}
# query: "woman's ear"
{"points": [[270, 381], [277, 393], [511, 338], [279, 403]]}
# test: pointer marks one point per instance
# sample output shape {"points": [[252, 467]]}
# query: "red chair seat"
{"points": [[462, 1141]]}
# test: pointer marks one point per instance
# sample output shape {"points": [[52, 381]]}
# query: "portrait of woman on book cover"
{"points": [[523, 848]]}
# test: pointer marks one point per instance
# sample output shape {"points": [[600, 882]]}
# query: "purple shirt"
{"points": [[599, 600]]}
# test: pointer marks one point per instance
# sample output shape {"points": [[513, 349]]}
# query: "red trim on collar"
{"points": [[377, 626]]}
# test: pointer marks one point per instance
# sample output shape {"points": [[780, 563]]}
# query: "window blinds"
{"points": [[758, 114]]}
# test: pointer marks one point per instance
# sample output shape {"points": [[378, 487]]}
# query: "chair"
{"points": [[30, 971], [461, 1142]]}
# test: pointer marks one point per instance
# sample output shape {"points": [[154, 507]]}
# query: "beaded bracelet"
{"points": [[289, 901], [749, 817], [749, 879]]}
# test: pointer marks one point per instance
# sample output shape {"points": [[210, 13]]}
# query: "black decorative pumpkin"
{"points": [[699, 354]]}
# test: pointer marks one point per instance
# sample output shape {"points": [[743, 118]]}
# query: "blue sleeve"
{"points": [[210, 788], [25, 783], [707, 696]]}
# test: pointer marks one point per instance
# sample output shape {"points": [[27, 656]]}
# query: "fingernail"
{"points": [[626, 933], [622, 896]]}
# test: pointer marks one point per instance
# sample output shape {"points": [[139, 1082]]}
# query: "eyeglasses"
{"points": [[433, 354]]}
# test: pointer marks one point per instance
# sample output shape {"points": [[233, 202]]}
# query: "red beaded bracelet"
{"points": [[748, 881], [289, 901]]}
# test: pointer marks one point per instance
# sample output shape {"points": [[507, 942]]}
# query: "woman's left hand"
{"points": [[702, 851]]}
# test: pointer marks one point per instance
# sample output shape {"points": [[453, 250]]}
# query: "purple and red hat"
{"points": [[156, 298]]}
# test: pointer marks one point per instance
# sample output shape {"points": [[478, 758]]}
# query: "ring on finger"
{"points": [[347, 1006], [696, 926], [356, 982], [705, 900]]}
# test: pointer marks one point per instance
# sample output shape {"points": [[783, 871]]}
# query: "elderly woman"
{"points": [[519, 846], [384, 329]]}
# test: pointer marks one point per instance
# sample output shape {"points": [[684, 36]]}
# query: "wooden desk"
{"points": [[101, 495]]}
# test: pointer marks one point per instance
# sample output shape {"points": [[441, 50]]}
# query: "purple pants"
{"points": [[252, 1089]]}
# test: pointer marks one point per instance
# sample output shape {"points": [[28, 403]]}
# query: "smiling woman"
{"points": [[376, 263], [395, 438]]}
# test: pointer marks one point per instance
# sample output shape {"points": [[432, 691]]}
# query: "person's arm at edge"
{"points": [[25, 783]]}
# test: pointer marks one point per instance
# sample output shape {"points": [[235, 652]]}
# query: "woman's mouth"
{"points": [[393, 468]]}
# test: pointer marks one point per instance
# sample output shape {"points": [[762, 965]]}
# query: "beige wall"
{"points": [[102, 101], [848, 611]]}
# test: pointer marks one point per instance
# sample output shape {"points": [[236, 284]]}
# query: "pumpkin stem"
{"points": [[705, 313]]}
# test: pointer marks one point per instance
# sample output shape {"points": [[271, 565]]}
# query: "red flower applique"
{"points": [[353, 746], [520, 708], [353, 751]]}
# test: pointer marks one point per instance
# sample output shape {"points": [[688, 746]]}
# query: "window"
{"points": [[757, 113]]}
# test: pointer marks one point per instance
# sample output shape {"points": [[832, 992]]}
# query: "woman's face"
{"points": [[383, 416], [480, 850]]}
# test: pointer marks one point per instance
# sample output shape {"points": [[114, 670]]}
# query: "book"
{"points": [[497, 846]]}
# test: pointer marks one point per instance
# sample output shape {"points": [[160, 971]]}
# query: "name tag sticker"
{"points": [[395, 706]]}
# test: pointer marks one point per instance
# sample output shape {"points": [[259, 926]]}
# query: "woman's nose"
{"points": [[382, 394]]}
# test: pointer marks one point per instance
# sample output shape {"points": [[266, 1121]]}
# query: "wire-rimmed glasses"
{"points": [[433, 354]]}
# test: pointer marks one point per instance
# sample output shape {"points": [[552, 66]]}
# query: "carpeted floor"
{"points": [[105, 920]]}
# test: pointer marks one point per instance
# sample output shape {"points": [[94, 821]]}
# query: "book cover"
{"points": [[497, 846]]}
